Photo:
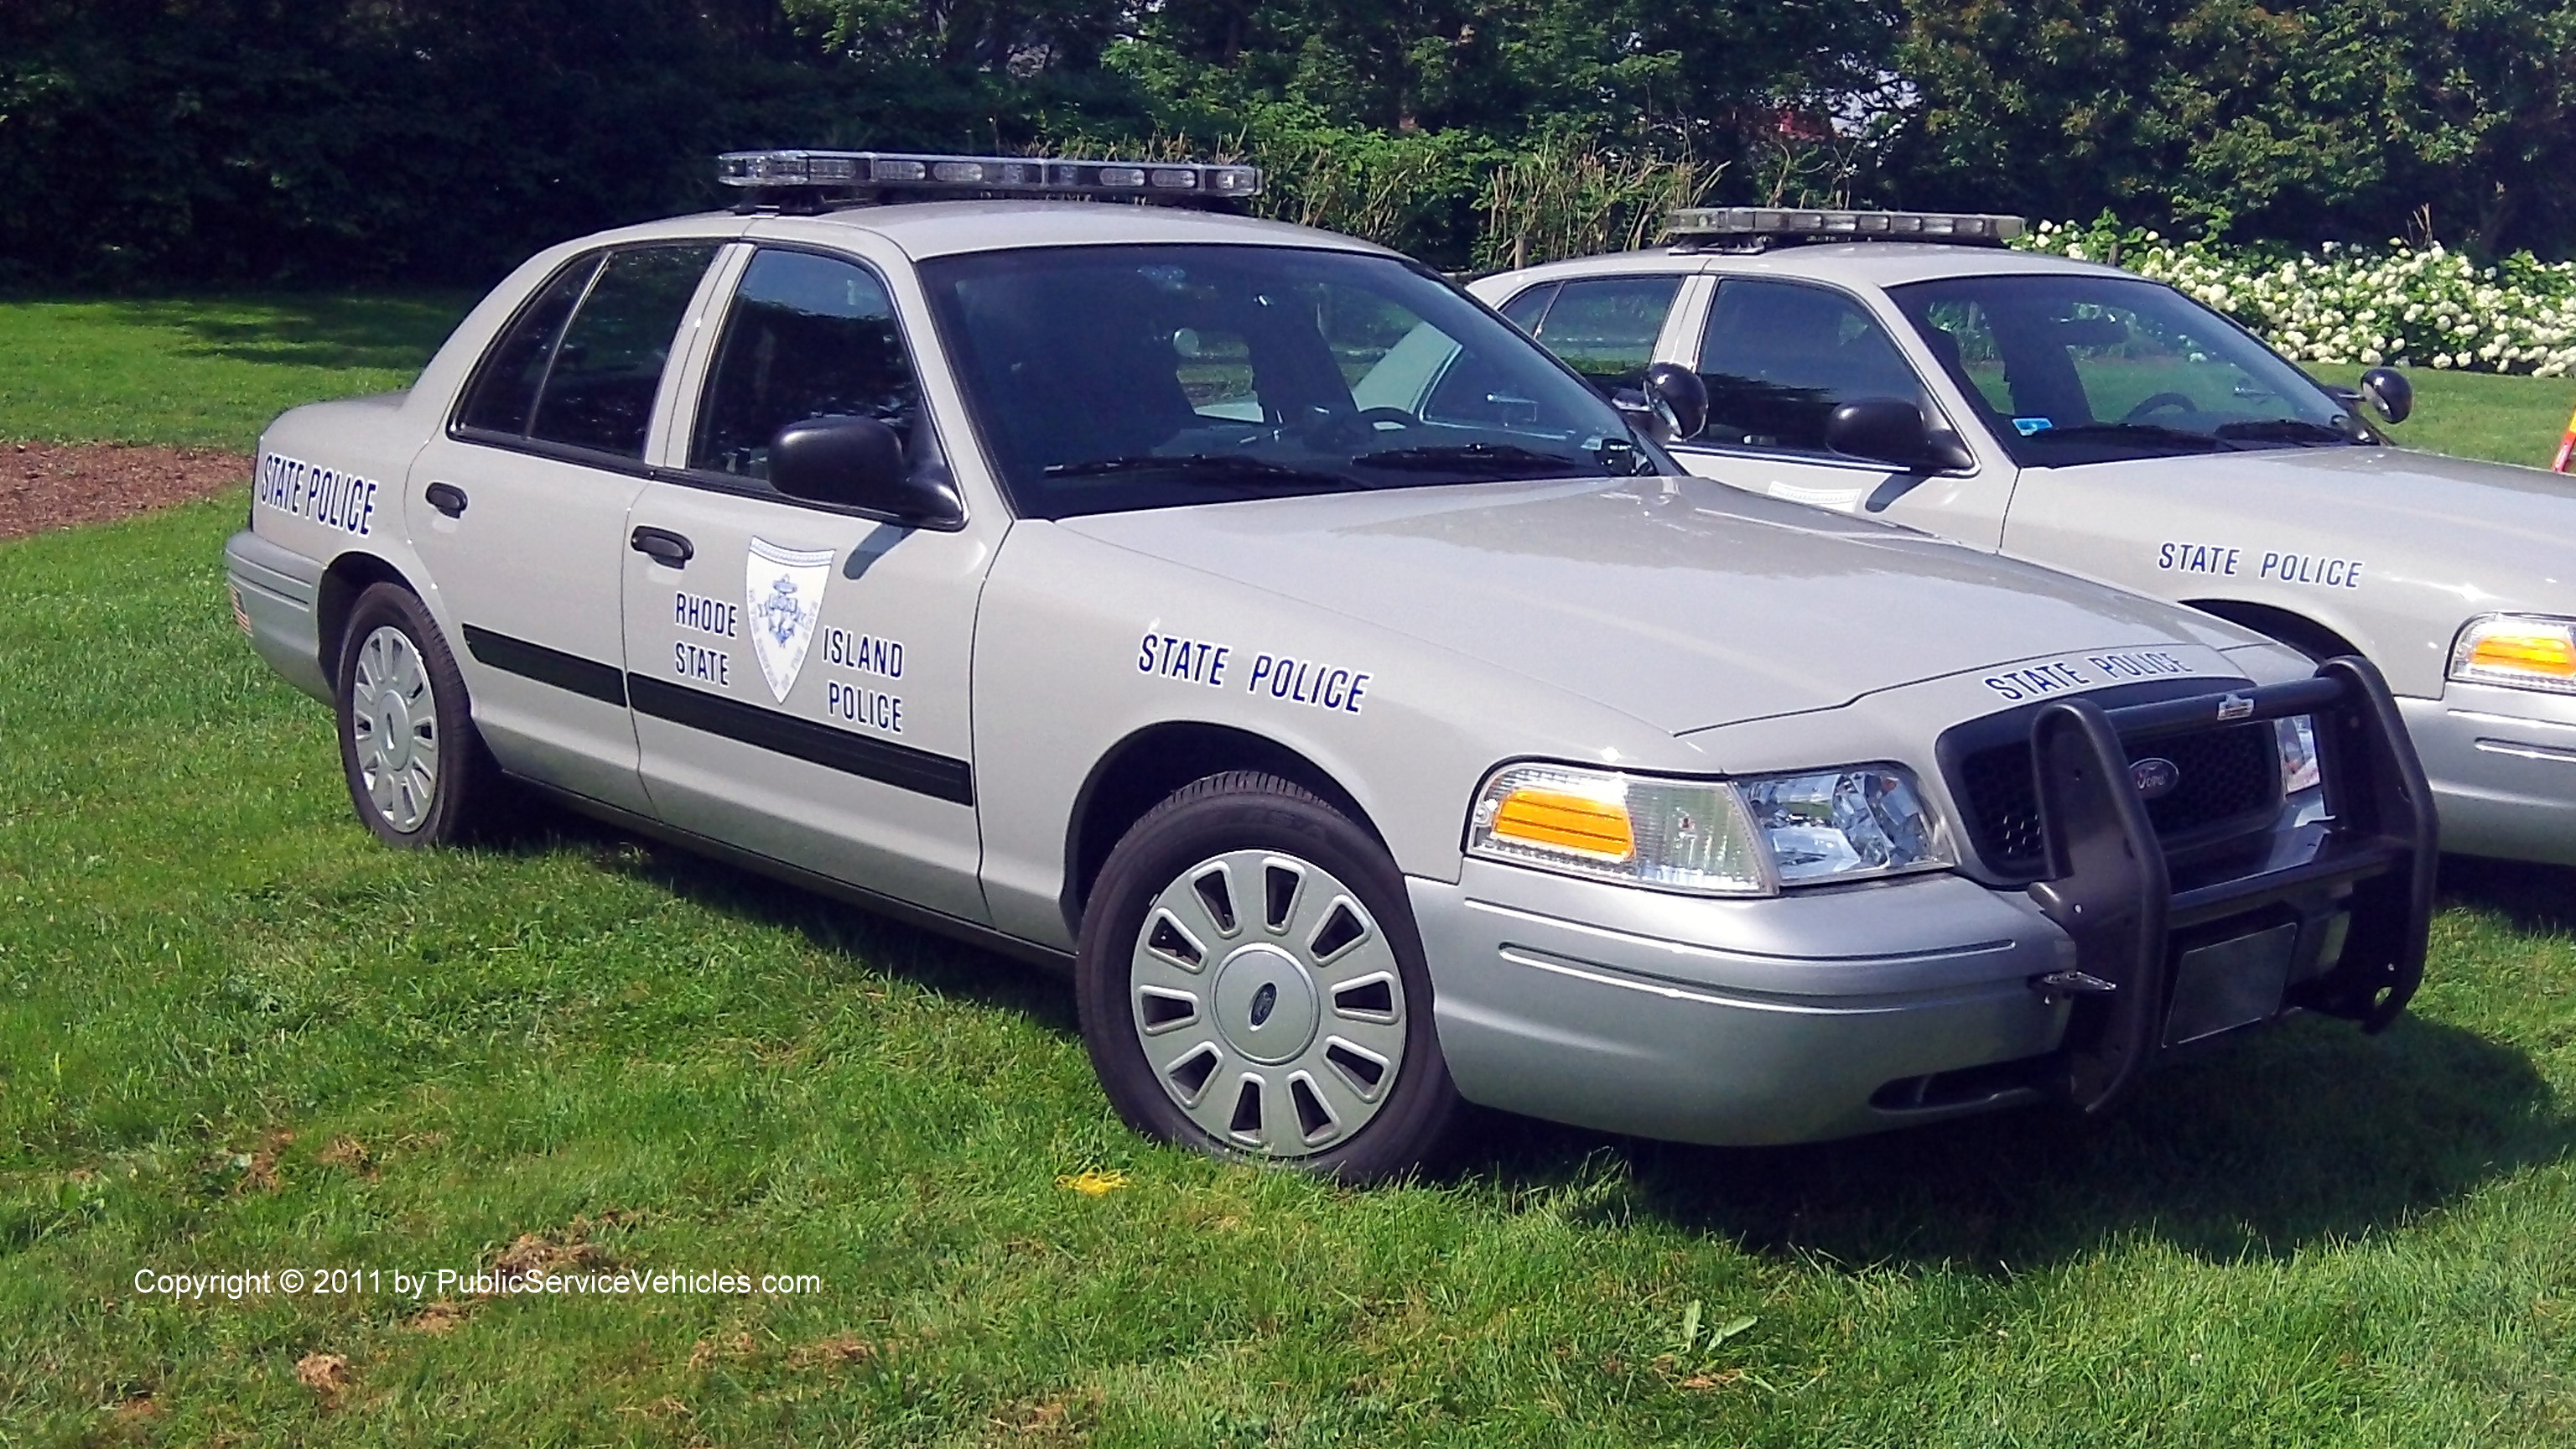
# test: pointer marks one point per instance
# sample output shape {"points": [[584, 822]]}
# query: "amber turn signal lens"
{"points": [[1566, 821], [2526, 653]]}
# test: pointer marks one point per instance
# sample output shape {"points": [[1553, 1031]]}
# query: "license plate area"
{"points": [[2230, 983]]}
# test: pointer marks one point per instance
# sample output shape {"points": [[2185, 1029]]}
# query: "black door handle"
{"points": [[664, 547], [447, 498]]}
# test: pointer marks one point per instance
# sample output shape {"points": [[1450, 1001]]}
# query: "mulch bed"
{"points": [[56, 485]]}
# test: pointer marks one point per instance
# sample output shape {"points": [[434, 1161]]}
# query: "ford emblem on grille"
{"points": [[2155, 777]]}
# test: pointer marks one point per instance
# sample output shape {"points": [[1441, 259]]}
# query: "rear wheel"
{"points": [[417, 770], [1251, 984]]}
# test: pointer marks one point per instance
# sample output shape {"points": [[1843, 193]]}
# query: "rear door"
{"points": [[518, 508], [1606, 328], [799, 672]]}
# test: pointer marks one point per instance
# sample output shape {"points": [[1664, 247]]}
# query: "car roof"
{"points": [[946, 228], [1869, 264]]}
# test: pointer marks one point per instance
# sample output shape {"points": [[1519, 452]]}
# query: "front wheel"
{"points": [[1251, 984], [417, 770]]}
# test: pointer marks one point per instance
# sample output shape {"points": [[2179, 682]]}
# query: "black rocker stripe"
{"points": [[901, 766], [589, 677]]}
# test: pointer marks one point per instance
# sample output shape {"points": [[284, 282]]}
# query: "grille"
{"points": [[2223, 774], [2000, 791]]}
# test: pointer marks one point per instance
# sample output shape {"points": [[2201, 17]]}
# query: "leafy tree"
{"points": [[2303, 121], [174, 141], [1677, 74]]}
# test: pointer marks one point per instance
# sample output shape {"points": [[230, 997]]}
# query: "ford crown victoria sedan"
{"points": [[1370, 715], [2092, 420]]}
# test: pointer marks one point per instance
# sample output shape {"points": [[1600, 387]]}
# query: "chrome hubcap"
{"points": [[394, 718], [1268, 1003]]}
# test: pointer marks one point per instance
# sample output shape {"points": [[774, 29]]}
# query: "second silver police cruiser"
{"points": [[1358, 703], [1904, 365]]}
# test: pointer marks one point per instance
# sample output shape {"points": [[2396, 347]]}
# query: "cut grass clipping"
{"points": [[238, 1037]]}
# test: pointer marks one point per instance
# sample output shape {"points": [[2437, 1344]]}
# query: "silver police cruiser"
{"points": [[1369, 714], [1904, 365]]}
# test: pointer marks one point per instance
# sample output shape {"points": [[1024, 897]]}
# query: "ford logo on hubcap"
{"points": [[1264, 1002], [2155, 777]]}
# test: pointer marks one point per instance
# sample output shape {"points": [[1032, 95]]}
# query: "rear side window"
{"points": [[1605, 327], [589, 382], [807, 337], [599, 393], [1778, 358]]}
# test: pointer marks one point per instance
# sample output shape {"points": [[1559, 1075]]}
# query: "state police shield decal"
{"points": [[783, 592]]}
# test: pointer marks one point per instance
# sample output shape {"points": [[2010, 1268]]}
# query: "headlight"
{"points": [[1708, 837], [2519, 651], [1842, 824]]}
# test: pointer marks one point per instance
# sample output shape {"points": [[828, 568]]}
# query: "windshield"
{"points": [[2085, 369], [1106, 379]]}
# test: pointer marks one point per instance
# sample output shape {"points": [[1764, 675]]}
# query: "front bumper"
{"points": [[275, 594], [1733, 1022], [2503, 767], [1828, 1013]]}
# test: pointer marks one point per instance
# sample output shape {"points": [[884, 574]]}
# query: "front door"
{"points": [[799, 673], [1778, 357], [519, 507]]}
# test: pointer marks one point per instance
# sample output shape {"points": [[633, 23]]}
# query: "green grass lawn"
{"points": [[204, 372], [2479, 415], [238, 1035]]}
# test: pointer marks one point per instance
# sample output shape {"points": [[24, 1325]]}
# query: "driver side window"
{"points": [[1779, 357], [806, 337]]}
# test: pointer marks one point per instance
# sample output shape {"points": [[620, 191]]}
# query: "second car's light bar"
{"points": [[1757, 226], [816, 172]]}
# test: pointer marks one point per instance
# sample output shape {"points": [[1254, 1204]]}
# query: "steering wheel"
{"points": [[2159, 401], [1374, 417]]}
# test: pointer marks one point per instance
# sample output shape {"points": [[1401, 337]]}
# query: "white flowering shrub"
{"points": [[2398, 305]]}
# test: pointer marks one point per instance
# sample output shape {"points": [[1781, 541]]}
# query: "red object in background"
{"points": [[2566, 447]]}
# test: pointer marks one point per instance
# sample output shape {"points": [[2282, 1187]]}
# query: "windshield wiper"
{"points": [[1205, 467], [2284, 430], [1480, 457], [2143, 432]]}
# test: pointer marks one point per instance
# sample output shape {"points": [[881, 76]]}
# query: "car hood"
{"points": [[1679, 601]]}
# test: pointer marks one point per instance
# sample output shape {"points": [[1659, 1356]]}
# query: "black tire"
{"points": [[1223, 816], [462, 789]]}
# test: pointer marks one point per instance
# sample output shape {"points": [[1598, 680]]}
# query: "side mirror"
{"points": [[858, 463], [1675, 392], [2390, 394], [1885, 430], [1671, 407]]}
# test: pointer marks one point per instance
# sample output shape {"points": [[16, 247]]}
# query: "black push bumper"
{"points": [[2339, 928]]}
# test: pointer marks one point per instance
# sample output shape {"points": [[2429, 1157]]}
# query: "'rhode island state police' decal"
{"points": [[783, 594]]}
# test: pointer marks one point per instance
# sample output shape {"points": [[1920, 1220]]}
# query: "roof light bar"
{"points": [[1761, 225], [816, 171]]}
